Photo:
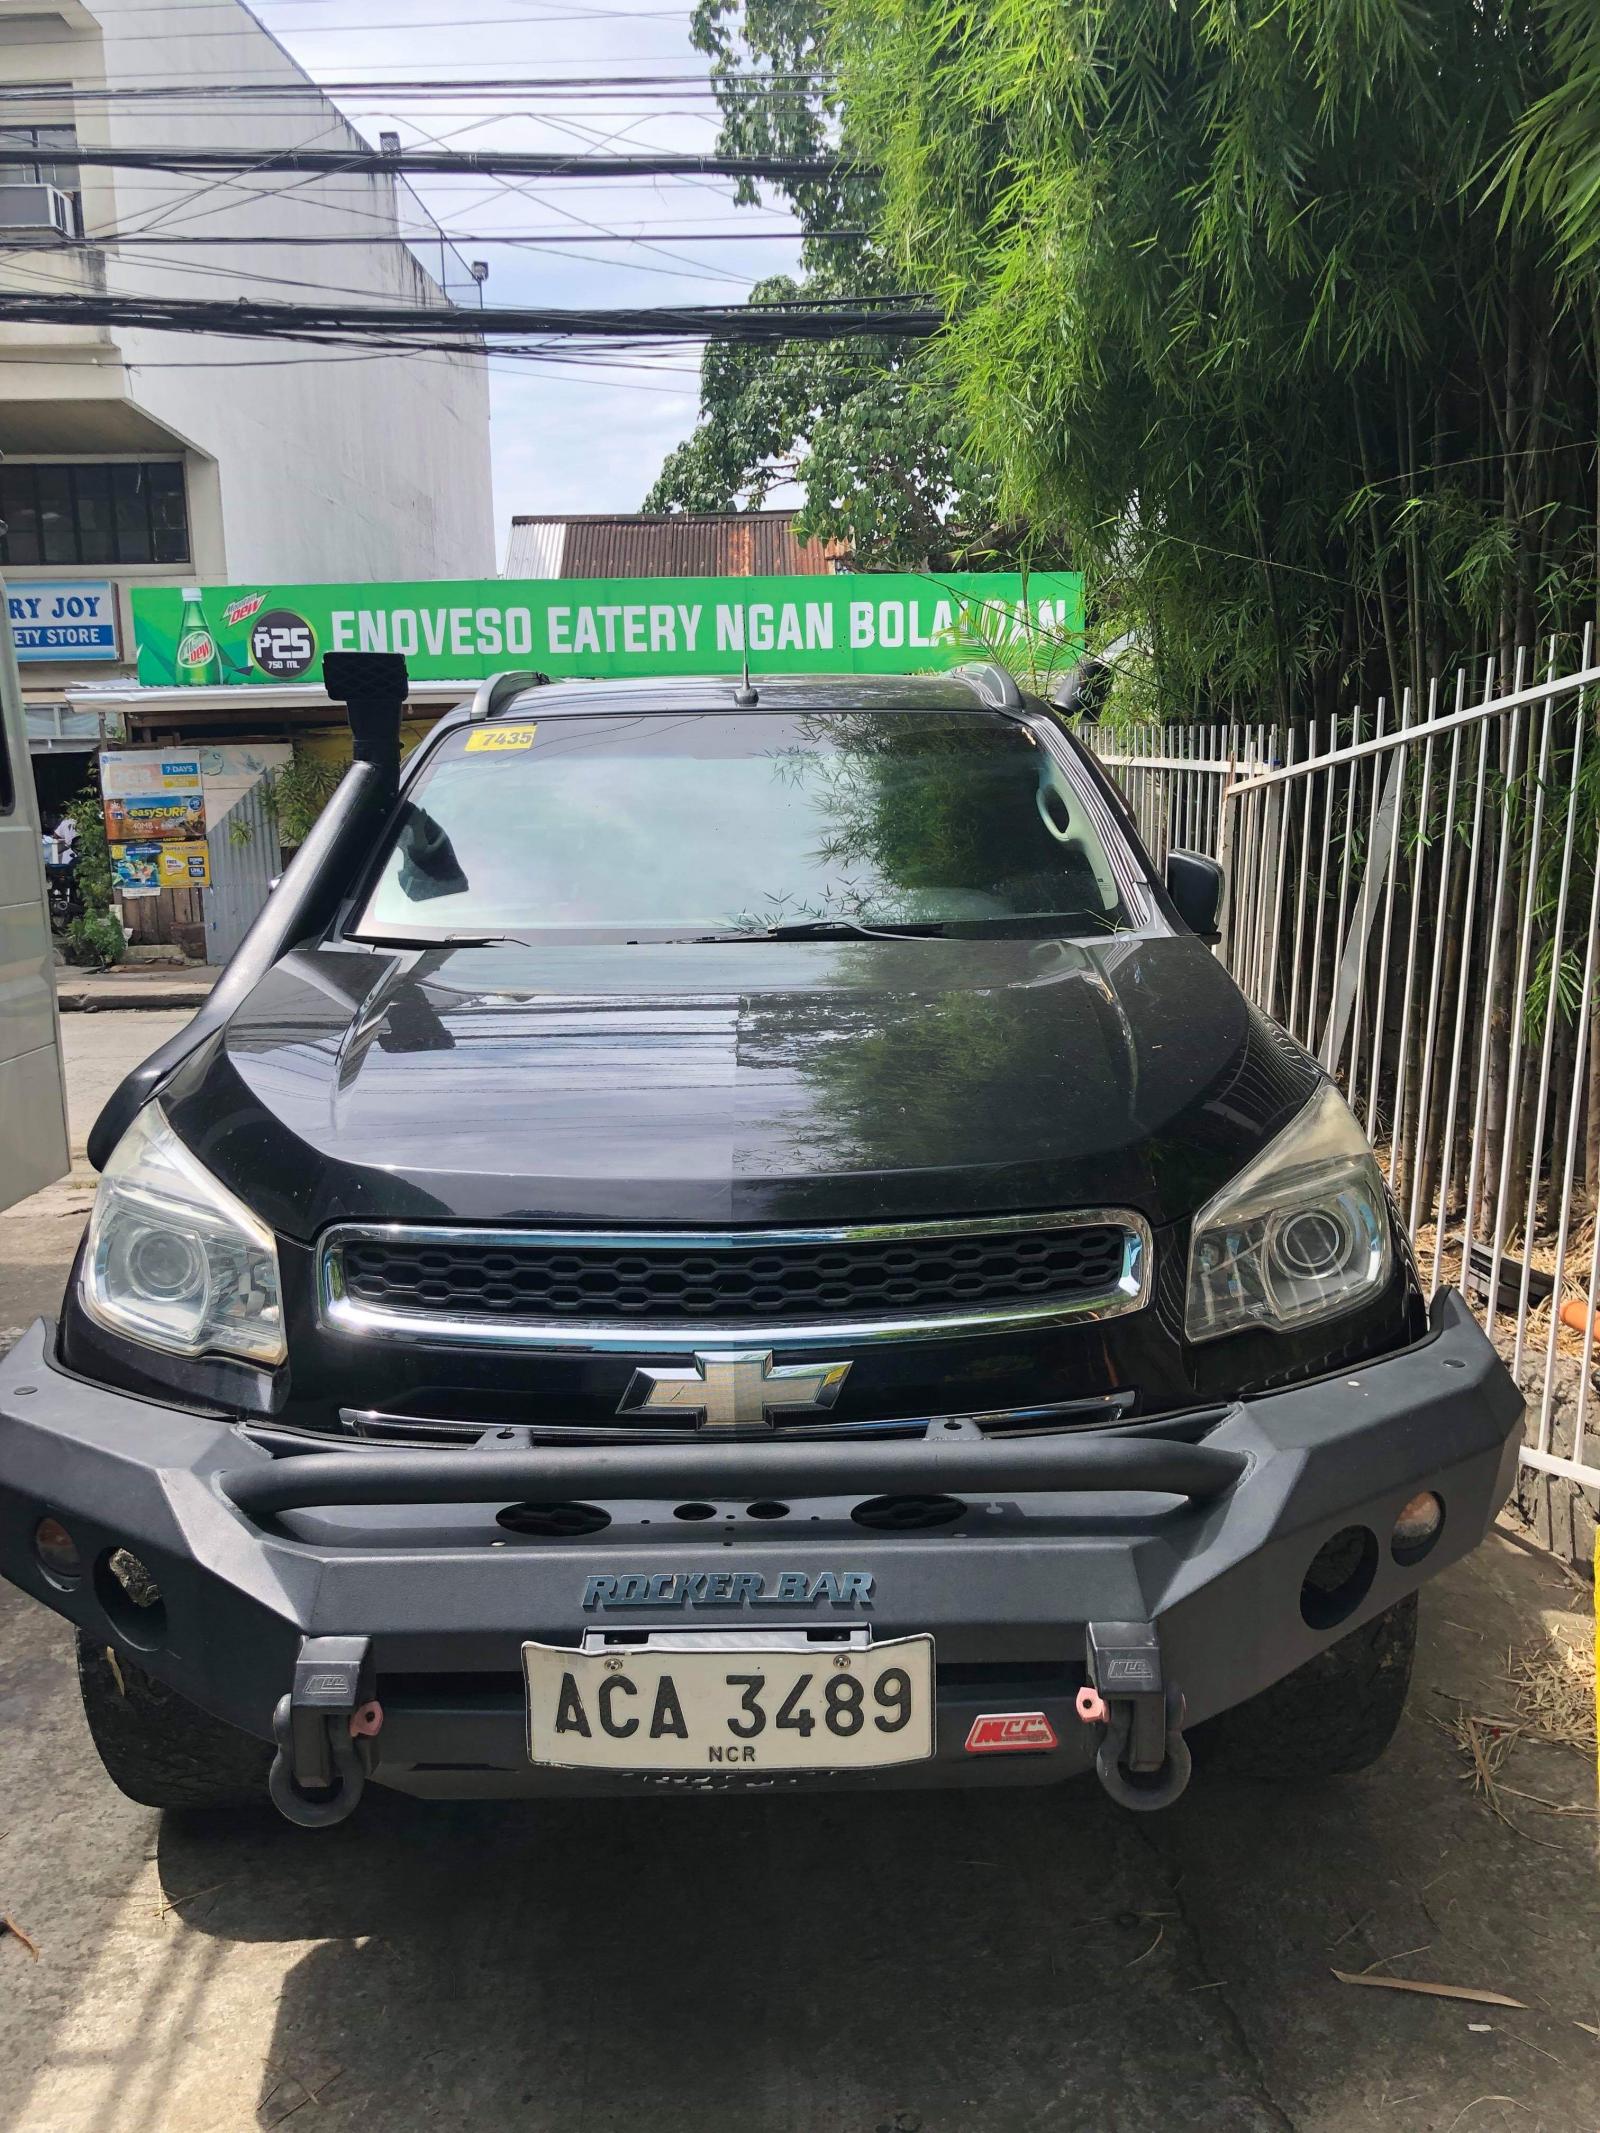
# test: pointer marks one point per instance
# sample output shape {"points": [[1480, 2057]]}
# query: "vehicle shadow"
{"points": [[943, 1962], [916, 1963], [1004, 1959]]}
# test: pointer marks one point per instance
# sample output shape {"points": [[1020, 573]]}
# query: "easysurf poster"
{"points": [[154, 807]]}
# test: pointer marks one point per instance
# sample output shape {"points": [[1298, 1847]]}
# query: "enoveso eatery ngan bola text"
{"points": [[603, 627]]}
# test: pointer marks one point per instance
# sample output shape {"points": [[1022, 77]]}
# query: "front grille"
{"points": [[1011, 1268]]}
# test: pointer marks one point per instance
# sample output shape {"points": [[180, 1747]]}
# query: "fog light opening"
{"points": [[1416, 1529], [127, 1590], [57, 1553], [554, 1521], [908, 1514], [1339, 1577]]}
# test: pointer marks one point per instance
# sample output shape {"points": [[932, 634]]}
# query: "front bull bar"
{"points": [[954, 1458]]}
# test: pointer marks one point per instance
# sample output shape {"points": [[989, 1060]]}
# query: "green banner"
{"points": [[463, 630]]}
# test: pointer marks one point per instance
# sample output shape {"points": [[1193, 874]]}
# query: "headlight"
{"points": [[1302, 1233], [174, 1259]]}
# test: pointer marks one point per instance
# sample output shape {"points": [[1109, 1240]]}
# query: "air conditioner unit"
{"points": [[44, 209]]}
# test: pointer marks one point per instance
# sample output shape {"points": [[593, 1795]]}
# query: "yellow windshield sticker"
{"points": [[495, 740]]}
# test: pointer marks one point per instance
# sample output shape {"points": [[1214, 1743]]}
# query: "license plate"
{"points": [[743, 1707]]}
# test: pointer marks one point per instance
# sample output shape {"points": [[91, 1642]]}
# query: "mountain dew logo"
{"points": [[196, 660]]}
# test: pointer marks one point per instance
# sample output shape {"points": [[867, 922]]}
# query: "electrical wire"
{"points": [[387, 330], [251, 26], [533, 12], [485, 162], [256, 276], [697, 268], [97, 238], [570, 215], [838, 318], [164, 90], [179, 208], [510, 366]]}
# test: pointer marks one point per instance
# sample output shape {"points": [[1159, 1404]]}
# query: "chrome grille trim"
{"points": [[340, 1312], [372, 1426]]}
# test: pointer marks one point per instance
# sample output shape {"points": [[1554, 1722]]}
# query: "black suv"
{"points": [[724, 1236]]}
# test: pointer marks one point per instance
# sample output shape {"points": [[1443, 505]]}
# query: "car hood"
{"points": [[751, 1083]]}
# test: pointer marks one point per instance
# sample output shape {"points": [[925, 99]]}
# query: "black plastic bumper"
{"points": [[1208, 1542]]}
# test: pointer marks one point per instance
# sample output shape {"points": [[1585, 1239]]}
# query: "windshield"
{"points": [[725, 823]]}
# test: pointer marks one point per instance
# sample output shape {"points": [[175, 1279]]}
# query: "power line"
{"points": [[177, 208], [500, 188], [268, 87], [38, 273], [92, 241], [480, 162], [816, 319], [485, 86], [267, 77], [514, 364], [277, 31], [533, 12], [501, 363]]}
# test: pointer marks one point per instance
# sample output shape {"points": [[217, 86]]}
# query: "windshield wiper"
{"points": [[829, 929], [441, 940]]}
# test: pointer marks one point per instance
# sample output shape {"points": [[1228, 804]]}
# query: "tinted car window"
{"points": [[733, 822]]}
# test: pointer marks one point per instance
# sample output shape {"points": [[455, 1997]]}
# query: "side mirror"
{"points": [[1195, 885], [1082, 691]]}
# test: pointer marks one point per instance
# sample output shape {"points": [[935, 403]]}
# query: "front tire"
{"points": [[1331, 1717], [159, 1748]]}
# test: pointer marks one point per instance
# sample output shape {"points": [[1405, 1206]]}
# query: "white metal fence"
{"points": [[1417, 898]]}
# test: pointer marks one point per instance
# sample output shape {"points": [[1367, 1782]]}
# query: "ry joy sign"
{"points": [[63, 618]]}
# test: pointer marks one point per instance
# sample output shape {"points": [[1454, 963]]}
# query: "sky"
{"points": [[590, 437]]}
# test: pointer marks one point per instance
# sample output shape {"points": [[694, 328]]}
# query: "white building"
{"points": [[136, 457]]}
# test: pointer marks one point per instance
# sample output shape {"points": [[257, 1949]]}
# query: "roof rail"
{"points": [[988, 679], [494, 694]]}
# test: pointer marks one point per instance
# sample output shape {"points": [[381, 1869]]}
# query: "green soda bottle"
{"points": [[196, 663]]}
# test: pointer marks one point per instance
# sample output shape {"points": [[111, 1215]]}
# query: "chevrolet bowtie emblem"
{"points": [[736, 1389]]}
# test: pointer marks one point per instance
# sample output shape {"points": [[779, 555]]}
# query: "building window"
{"points": [[69, 511], [54, 158]]}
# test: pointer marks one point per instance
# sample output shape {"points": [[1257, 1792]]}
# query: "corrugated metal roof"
{"points": [[536, 545], [53, 729], [730, 544]]}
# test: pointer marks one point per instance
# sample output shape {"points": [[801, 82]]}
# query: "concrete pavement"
{"points": [[981, 1963], [141, 987], [38, 1239]]}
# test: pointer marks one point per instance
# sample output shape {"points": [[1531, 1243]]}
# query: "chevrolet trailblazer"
{"points": [[723, 1236]]}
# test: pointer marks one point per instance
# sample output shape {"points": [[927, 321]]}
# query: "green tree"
{"points": [[1553, 167], [296, 795], [96, 937], [1281, 320], [869, 430]]}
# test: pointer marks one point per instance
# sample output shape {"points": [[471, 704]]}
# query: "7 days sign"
{"points": [[591, 627]]}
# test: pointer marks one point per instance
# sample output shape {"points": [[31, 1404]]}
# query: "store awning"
{"points": [[230, 710], [62, 729]]}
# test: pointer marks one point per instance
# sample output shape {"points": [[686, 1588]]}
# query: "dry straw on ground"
{"points": [[1551, 1693], [1553, 1690]]}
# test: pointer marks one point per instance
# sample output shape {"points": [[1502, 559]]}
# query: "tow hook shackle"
{"points": [[1143, 1759], [327, 1730]]}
